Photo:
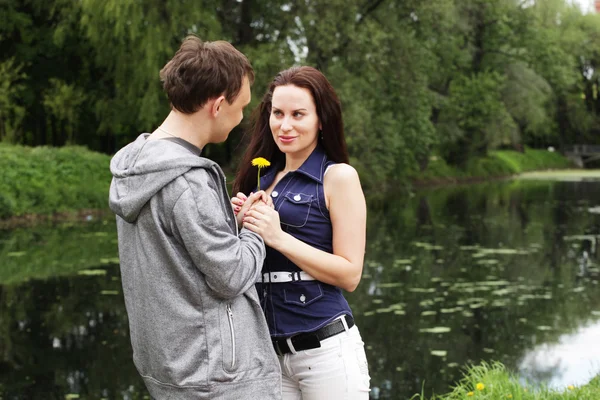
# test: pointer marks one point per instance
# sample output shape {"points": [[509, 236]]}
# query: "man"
{"points": [[196, 325]]}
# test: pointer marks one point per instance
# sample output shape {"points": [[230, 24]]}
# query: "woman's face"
{"points": [[294, 122]]}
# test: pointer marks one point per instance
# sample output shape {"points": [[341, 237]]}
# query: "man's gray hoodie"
{"points": [[196, 325]]}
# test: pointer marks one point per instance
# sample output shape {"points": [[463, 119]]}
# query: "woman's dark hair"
{"points": [[262, 144]]}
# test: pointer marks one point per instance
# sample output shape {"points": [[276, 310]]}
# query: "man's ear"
{"points": [[217, 105]]}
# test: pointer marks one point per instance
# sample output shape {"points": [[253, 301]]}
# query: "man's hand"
{"points": [[241, 204]]}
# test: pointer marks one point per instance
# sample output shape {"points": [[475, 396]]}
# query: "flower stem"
{"points": [[258, 178]]}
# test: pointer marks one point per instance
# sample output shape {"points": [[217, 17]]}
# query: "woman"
{"points": [[315, 236]]}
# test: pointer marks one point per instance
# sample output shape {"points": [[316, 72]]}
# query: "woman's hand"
{"points": [[264, 220], [237, 203], [241, 204]]}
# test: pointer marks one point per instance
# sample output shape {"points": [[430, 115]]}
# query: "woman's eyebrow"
{"points": [[299, 109]]}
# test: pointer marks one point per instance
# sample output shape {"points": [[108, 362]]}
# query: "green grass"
{"points": [[494, 382], [45, 180], [500, 163]]}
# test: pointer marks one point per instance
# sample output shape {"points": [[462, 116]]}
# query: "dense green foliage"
{"points": [[44, 180], [493, 381], [418, 79]]}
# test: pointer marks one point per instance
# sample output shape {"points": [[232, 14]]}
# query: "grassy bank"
{"points": [[500, 163], [493, 382], [44, 180]]}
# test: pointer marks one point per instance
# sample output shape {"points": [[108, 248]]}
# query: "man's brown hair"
{"points": [[201, 71]]}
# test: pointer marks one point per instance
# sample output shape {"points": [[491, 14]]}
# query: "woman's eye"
{"points": [[297, 114], [277, 113]]}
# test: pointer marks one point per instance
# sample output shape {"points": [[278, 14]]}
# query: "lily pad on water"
{"points": [[427, 246], [544, 328], [428, 313], [490, 261], [501, 303], [450, 310], [368, 313], [109, 292], [477, 305], [92, 272], [114, 260], [16, 253], [439, 353], [389, 285], [422, 290], [437, 329], [486, 252], [476, 247], [402, 262]]}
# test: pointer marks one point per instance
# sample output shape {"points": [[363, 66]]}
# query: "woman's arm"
{"points": [[348, 212]]}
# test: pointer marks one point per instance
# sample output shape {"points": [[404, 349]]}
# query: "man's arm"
{"points": [[230, 263]]}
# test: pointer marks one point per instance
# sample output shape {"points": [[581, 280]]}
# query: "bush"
{"points": [[45, 180]]}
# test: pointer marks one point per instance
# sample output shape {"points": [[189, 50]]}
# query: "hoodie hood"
{"points": [[144, 167]]}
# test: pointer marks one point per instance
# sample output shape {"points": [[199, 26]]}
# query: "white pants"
{"points": [[337, 370]]}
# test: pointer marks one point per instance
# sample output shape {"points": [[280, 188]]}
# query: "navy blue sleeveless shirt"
{"points": [[295, 307]]}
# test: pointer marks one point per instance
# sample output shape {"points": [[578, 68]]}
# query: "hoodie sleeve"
{"points": [[230, 263]]}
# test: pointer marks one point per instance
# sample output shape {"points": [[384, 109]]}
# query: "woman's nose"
{"points": [[285, 124]]}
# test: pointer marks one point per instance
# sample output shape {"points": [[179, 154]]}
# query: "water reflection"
{"points": [[574, 360], [452, 277]]}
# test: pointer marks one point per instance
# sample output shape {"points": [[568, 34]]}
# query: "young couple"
{"points": [[242, 298]]}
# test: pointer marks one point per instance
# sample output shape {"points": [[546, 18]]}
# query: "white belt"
{"points": [[284, 276]]}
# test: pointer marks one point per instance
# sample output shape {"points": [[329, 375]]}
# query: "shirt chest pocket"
{"points": [[295, 209]]}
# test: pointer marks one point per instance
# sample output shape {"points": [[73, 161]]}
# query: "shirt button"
{"points": [[302, 298], [274, 194], [297, 197]]}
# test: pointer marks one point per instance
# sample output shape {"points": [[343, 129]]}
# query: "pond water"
{"points": [[504, 271]]}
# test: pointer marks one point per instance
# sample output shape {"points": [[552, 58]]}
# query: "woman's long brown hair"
{"points": [[261, 143]]}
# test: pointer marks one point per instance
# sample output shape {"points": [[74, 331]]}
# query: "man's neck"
{"points": [[189, 127]]}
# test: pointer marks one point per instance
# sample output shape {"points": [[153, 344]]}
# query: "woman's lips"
{"points": [[287, 139]]}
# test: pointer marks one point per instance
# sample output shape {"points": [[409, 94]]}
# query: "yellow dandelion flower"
{"points": [[260, 162], [570, 387], [470, 394], [509, 396], [480, 386]]}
